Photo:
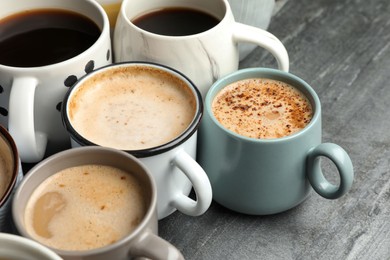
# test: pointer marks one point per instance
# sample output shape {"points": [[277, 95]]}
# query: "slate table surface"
{"points": [[342, 49]]}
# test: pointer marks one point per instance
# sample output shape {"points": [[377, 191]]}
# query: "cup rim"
{"points": [[75, 152], [11, 143], [140, 153], [123, 13], [30, 244], [104, 32], [268, 73]]}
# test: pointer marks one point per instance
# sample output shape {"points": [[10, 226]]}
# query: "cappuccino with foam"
{"points": [[85, 207], [6, 166], [131, 108], [262, 108]]}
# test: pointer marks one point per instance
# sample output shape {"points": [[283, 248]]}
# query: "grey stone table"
{"points": [[341, 48]]}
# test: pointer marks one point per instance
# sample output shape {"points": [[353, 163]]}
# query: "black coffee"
{"points": [[176, 21], [44, 37]]}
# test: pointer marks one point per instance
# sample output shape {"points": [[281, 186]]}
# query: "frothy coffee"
{"points": [[262, 108], [131, 108], [85, 207], [6, 166]]}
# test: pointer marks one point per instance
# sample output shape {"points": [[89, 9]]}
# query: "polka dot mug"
{"points": [[30, 97]]}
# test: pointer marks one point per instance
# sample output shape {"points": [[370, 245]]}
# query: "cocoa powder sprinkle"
{"points": [[280, 109]]}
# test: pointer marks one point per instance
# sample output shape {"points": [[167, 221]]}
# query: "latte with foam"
{"points": [[85, 207], [262, 108], [6, 166], [131, 108]]}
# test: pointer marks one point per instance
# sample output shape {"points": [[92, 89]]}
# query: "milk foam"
{"points": [[6, 163], [132, 108], [262, 108], [85, 207]]}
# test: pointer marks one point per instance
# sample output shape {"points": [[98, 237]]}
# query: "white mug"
{"points": [[171, 163], [256, 13], [30, 97], [203, 57]]}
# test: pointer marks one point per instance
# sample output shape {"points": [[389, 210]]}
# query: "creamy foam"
{"points": [[262, 108], [85, 207], [6, 166], [132, 108]]}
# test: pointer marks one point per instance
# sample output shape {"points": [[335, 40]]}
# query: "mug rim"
{"points": [[146, 152], [11, 143], [104, 30], [268, 73], [28, 245], [123, 13], [79, 151]]}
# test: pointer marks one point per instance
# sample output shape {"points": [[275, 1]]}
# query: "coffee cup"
{"points": [[14, 247], [200, 39], [257, 13], [36, 73], [152, 112], [260, 143], [10, 176], [91, 203]]}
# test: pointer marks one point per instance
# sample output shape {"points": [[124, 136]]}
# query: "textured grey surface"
{"points": [[341, 48]]}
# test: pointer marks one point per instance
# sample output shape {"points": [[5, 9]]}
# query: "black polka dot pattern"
{"points": [[108, 55], [58, 106], [89, 67], [70, 80], [3, 110]]}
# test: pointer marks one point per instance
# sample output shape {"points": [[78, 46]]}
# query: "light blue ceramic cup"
{"points": [[267, 176]]}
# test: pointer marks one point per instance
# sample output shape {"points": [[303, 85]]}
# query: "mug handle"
{"points": [[262, 38], [154, 247], [31, 144], [200, 183], [344, 166]]}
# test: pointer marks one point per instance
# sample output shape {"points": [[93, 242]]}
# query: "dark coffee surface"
{"points": [[176, 21], [44, 37]]}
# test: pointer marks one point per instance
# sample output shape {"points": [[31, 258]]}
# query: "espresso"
{"points": [[262, 108], [131, 108], [176, 21], [85, 207], [44, 36]]}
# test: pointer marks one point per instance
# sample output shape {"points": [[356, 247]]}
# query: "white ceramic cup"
{"points": [[30, 97], [172, 164], [203, 57], [15, 247], [256, 13], [11, 175]]}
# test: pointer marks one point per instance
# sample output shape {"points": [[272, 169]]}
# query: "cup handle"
{"points": [[31, 144], [344, 166], [262, 38], [200, 183], [154, 247]]}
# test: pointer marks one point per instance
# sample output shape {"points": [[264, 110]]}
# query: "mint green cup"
{"points": [[268, 176]]}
